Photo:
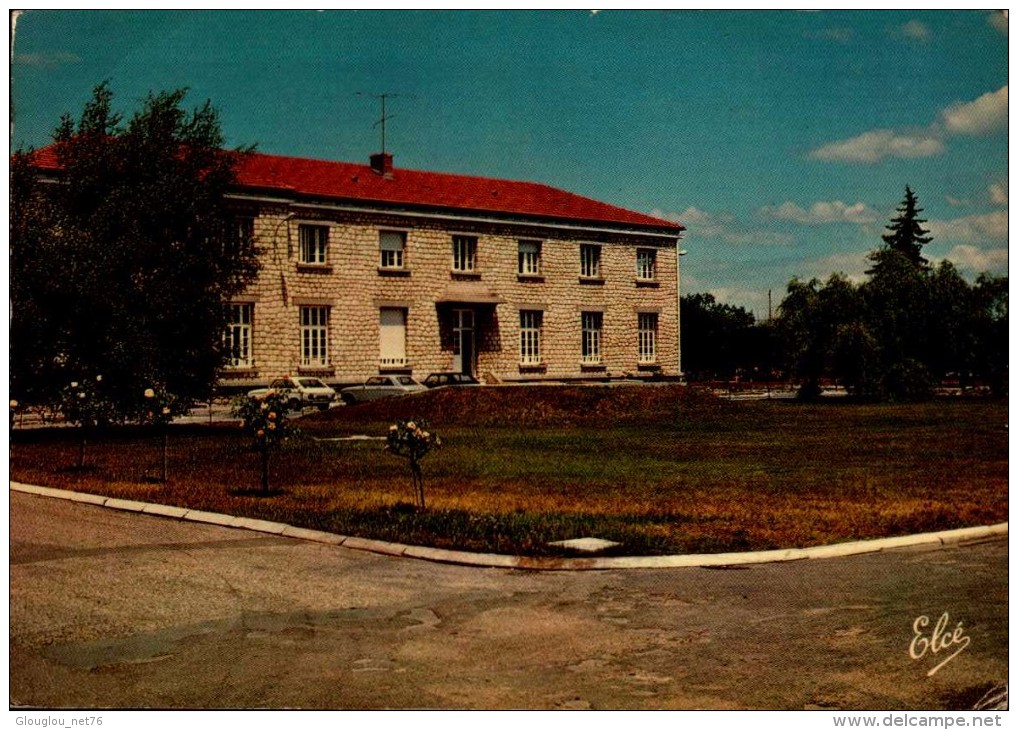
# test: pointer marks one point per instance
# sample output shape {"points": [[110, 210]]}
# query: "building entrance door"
{"points": [[464, 351]]}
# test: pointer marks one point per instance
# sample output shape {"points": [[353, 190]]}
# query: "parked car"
{"points": [[298, 392], [380, 386], [437, 380]]}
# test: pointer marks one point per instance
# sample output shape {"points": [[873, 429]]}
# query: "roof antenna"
{"points": [[385, 117]]}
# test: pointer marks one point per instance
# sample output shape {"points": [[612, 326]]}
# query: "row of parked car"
{"points": [[300, 391]]}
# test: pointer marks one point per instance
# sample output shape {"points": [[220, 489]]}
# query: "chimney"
{"points": [[381, 163]]}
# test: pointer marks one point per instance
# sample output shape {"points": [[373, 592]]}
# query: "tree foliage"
{"points": [[906, 235], [123, 263], [904, 328], [720, 340]]}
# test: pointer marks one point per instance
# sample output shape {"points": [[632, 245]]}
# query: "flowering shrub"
{"points": [[83, 403], [413, 441], [266, 420], [159, 407]]}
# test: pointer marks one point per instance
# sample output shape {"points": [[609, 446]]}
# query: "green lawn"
{"points": [[660, 469]]}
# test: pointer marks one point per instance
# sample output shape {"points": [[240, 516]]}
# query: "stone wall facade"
{"points": [[353, 287]]}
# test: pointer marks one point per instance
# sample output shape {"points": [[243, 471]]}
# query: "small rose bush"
{"points": [[413, 440], [159, 407], [84, 403], [265, 419]]}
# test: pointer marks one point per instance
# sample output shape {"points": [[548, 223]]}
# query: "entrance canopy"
{"points": [[469, 292]]}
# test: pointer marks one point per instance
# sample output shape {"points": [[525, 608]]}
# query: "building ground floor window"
{"points": [[530, 337], [314, 337], [238, 336], [467, 338], [647, 334], [392, 337], [592, 325]]}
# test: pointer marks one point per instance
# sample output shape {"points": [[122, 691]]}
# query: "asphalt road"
{"points": [[111, 609]]}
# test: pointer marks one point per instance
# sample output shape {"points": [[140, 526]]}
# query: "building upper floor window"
{"points": [[530, 337], [592, 323], [590, 261], [529, 258], [464, 254], [392, 337], [392, 245], [314, 337], [314, 244], [646, 264], [238, 336], [646, 326], [240, 235]]}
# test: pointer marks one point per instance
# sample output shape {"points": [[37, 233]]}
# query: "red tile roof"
{"points": [[348, 182]]}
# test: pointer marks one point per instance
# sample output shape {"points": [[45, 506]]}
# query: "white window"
{"points": [[529, 258], [392, 336], [647, 331], [590, 261], [238, 336], [464, 253], [391, 244], [314, 243], [530, 337], [646, 261], [314, 337], [592, 323]]}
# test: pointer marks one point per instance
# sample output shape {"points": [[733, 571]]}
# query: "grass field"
{"points": [[661, 469]]}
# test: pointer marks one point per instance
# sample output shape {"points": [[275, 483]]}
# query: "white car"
{"points": [[381, 386], [298, 392]]}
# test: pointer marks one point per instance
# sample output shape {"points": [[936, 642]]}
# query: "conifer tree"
{"points": [[907, 236]]}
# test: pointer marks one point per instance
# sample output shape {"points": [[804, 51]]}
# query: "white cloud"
{"points": [[916, 30], [46, 59], [998, 19], [972, 258], [852, 265], [986, 114], [822, 211], [723, 227], [971, 228], [690, 216], [871, 147], [998, 193], [753, 300]]}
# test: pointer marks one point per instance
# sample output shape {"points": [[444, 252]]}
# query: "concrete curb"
{"points": [[489, 560]]}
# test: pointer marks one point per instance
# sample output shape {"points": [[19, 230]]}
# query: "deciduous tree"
{"points": [[123, 258]]}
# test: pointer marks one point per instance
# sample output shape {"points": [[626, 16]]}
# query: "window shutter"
{"points": [[392, 332], [391, 241]]}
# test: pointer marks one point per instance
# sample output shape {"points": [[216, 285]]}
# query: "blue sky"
{"points": [[782, 140]]}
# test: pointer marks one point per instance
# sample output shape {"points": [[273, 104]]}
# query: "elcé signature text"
{"points": [[939, 640]]}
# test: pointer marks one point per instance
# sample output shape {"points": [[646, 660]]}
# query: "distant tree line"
{"points": [[906, 328], [723, 341]]}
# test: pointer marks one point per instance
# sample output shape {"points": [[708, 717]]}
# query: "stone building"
{"points": [[370, 269]]}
